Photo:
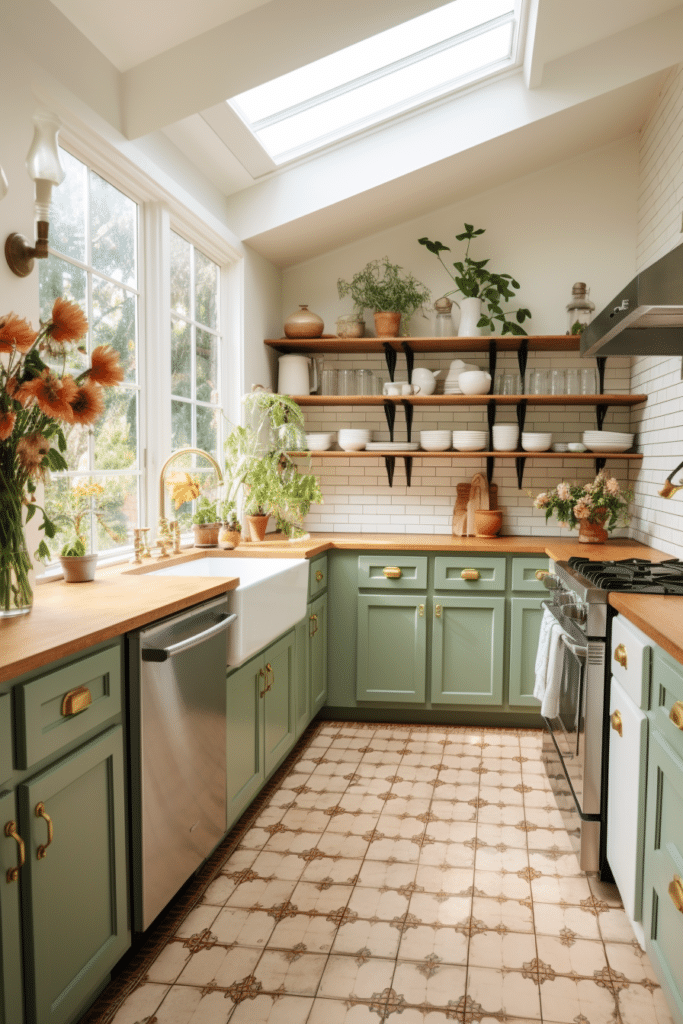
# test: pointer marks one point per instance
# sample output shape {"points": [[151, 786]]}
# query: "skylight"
{"points": [[380, 77]]}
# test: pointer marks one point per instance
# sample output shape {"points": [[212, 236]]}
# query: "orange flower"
{"points": [[106, 368], [6, 424], [52, 394], [68, 321], [88, 404], [31, 450], [14, 331]]}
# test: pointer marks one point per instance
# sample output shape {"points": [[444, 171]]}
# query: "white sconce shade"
{"points": [[3, 184], [42, 162]]}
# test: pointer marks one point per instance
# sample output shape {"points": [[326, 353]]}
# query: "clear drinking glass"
{"points": [[573, 382], [365, 382], [348, 382], [539, 383], [328, 382], [557, 382], [588, 381]]}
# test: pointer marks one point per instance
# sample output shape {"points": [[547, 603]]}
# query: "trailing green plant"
{"points": [[383, 287], [473, 280]]}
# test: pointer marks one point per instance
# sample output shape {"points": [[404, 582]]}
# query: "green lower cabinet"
{"points": [[245, 763], [392, 647], [74, 883], [467, 650], [303, 689], [11, 998], [279, 725], [525, 625], [317, 653]]}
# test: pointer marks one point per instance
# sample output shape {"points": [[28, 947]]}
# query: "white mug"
{"points": [[400, 387], [392, 389]]}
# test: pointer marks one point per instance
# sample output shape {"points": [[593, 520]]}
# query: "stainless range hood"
{"points": [[646, 318]]}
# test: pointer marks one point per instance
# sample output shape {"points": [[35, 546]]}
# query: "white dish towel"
{"points": [[549, 665]]}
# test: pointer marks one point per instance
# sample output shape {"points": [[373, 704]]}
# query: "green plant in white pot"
{"points": [[392, 294]]}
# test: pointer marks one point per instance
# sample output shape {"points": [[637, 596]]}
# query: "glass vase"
{"points": [[16, 595]]}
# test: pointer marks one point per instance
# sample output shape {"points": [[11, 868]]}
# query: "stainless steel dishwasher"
{"points": [[178, 754]]}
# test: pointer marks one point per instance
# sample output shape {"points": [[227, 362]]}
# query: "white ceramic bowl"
{"points": [[536, 442], [352, 446], [435, 446], [560, 446], [354, 435], [576, 446], [469, 444], [474, 382]]}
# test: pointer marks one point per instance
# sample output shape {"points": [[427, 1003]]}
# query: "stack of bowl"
{"points": [[319, 442], [538, 442], [470, 440], [505, 437], [435, 440], [607, 440], [352, 440], [451, 384]]}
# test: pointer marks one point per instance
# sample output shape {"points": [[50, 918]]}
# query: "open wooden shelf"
{"points": [[450, 454], [504, 343], [460, 400]]}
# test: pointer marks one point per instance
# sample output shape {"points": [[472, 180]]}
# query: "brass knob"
{"points": [[676, 893], [540, 573], [617, 723], [621, 655], [676, 714], [11, 833], [319, 576], [76, 701], [392, 572], [469, 574], [42, 813], [437, 611]]}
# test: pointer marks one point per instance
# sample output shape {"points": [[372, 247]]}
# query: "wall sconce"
{"points": [[44, 167], [670, 488]]}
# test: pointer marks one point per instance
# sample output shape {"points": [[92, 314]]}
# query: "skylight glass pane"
{"points": [[368, 56], [386, 95]]}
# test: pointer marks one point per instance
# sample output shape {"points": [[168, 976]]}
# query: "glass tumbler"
{"points": [[347, 382], [328, 382], [573, 382], [588, 381], [557, 382], [365, 382], [539, 383]]}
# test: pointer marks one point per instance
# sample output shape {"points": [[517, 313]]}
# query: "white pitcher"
{"points": [[426, 379], [297, 375]]}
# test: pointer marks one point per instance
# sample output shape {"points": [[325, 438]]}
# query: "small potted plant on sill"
{"points": [[206, 523], [230, 533], [480, 287], [71, 512], [393, 295]]}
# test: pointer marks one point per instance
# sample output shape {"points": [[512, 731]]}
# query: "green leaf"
{"points": [[42, 553], [30, 511]]}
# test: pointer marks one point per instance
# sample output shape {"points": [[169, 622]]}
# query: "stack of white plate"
{"points": [[436, 440], [505, 437], [607, 440], [392, 446], [536, 442], [470, 440], [319, 442], [352, 440], [451, 385]]}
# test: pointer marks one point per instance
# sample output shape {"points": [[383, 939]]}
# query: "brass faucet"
{"points": [[164, 531], [670, 488]]}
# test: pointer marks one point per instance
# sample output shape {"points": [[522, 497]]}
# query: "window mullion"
{"points": [[157, 304]]}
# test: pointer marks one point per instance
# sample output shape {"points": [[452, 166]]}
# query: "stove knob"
{"points": [[577, 612], [551, 581]]}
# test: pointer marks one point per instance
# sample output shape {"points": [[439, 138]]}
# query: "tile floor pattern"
{"points": [[413, 875]]}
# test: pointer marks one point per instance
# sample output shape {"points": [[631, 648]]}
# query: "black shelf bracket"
{"points": [[390, 413], [410, 361], [599, 464], [390, 463], [519, 466], [522, 355], [490, 463], [390, 357], [408, 406], [493, 356], [521, 416], [409, 468], [491, 417], [601, 361], [600, 413]]}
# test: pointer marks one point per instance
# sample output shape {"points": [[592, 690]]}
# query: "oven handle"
{"points": [[576, 650]]}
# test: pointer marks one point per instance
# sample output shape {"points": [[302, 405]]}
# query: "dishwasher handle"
{"points": [[164, 653]]}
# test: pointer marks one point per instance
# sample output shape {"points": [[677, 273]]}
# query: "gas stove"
{"points": [[635, 575]]}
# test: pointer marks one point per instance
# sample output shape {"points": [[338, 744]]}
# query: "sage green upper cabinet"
{"points": [[245, 766], [317, 653], [12, 851], [525, 626], [279, 700], [392, 647], [467, 650]]}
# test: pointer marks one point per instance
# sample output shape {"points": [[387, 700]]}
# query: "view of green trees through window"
{"points": [[94, 262]]}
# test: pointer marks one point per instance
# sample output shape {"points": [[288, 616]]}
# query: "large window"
{"points": [[94, 261]]}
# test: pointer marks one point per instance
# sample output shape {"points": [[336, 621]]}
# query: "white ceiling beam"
{"points": [[241, 142]]}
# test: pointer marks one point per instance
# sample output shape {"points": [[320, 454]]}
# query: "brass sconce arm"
{"points": [[670, 488]]}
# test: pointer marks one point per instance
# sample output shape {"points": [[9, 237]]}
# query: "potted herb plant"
{"points": [[479, 287], [230, 532], [70, 512], [206, 523], [393, 295]]}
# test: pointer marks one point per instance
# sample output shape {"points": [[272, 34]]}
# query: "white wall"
{"points": [[573, 221], [660, 423]]}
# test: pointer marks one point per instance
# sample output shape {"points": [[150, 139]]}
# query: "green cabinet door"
{"points": [[11, 999], [467, 650], [317, 653], [245, 767], [74, 884], [525, 625], [279, 701], [391, 653], [303, 689]]}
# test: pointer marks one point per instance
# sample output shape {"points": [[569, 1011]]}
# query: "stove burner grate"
{"points": [[635, 575]]}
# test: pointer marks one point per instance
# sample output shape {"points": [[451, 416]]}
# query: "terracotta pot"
{"points": [[206, 536], [78, 568], [387, 325], [487, 522], [350, 327], [593, 533], [257, 527], [304, 324], [227, 538]]}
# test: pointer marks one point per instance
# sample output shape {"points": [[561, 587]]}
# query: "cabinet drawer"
{"points": [[392, 572], [630, 660], [524, 573], [667, 698], [44, 725], [317, 576], [5, 737], [488, 573]]}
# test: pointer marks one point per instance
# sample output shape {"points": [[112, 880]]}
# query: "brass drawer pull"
{"points": [[392, 572], [11, 833], [437, 611], [540, 573], [421, 611], [676, 714], [621, 655], [269, 669], [676, 893], [319, 576], [76, 701], [262, 675], [313, 627], [469, 574], [617, 723], [42, 813]]}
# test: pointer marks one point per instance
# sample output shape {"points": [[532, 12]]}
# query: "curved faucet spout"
{"points": [[170, 459]]}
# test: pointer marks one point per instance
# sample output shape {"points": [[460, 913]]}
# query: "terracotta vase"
{"points": [[593, 533], [304, 324], [487, 522], [387, 325], [78, 568], [206, 535], [257, 527], [227, 538]]}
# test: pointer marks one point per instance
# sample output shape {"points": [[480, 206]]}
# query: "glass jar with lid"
{"points": [[580, 310]]}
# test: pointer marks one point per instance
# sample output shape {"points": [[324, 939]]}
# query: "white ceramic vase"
{"points": [[470, 311]]}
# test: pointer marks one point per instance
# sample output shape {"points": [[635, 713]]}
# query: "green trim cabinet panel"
{"points": [[5, 737], [317, 653], [279, 701], [11, 997], [392, 647], [525, 626], [392, 572], [245, 762], [74, 884], [524, 574], [667, 698], [303, 689], [469, 574], [467, 650], [317, 576]]}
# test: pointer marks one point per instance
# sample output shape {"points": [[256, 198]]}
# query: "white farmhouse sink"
{"points": [[271, 597]]}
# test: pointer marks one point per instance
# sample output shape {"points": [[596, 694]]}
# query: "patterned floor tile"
{"points": [[444, 880], [502, 949], [377, 874], [451, 831], [569, 999], [305, 933], [342, 870], [629, 960], [502, 916], [285, 866], [584, 958], [512, 836], [614, 924], [291, 973], [219, 966], [639, 1004], [433, 944], [140, 1004], [546, 889], [360, 977], [446, 911], [272, 1010], [265, 892], [383, 904], [185, 1005], [491, 992], [198, 920], [375, 938], [565, 922], [434, 985], [246, 927]]}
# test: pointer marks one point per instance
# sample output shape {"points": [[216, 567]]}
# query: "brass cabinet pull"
{"points": [[262, 675], [469, 574], [540, 573], [621, 655], [42, 813], [392, 572], [313, 627], [676, 714], [269, 668], [421, 611], [76, 701], [319, 576], [617, 723], [437, 611], [11, 833], [676, 893]]}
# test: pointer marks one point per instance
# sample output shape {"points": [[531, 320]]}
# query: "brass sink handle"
{"points": [[469, 574], [42, 813], [676, 893], [76, 701], [313, 627], [319, 576], [11, 833], [540, 573], [676, 714], [617, 723], [392, 572], [621, 655]]}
